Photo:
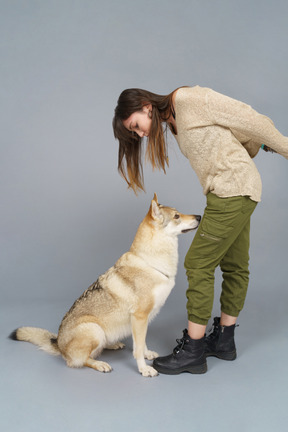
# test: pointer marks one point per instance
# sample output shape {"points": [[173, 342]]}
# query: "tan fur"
{"points": [[124, 299]]}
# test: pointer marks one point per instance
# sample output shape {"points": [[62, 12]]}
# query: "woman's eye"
{"points": [[133, 128], [177, 216]]}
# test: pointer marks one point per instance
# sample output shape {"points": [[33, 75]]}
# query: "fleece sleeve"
{"points": [[235, 115]]}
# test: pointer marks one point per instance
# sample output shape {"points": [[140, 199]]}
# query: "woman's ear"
{"points": [[147, 108]]}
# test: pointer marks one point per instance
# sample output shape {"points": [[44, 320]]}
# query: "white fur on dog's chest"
{"points": [[160, 294]]}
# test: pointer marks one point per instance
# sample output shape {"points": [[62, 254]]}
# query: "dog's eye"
{"points": [[177, 216]]}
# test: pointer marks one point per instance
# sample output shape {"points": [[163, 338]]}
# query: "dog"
{"points": [[123, 300]]}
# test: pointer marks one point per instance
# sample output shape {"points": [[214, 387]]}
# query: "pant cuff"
{"points": [[197, 320], [233, 313]]}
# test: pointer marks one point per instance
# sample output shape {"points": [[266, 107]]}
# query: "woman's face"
{"points": [[140, 122]]}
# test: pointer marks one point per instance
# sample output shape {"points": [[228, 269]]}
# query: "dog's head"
{"points": [[170, 220]]}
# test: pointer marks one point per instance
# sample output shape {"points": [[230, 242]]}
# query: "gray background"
{"points": [[66, 214]]}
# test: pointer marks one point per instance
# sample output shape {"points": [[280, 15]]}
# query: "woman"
{"points": [[220, 136]]}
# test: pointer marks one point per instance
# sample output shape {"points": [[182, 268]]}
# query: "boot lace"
{"points": [[181, 342]]}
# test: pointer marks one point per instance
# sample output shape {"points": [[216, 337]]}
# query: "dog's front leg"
{"points": [[139, 323]]}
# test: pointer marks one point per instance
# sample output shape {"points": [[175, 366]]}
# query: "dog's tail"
{"points": [[45, 340]]}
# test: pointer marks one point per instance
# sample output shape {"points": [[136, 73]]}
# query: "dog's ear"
{"points": [[155, 198], [155, 211]]}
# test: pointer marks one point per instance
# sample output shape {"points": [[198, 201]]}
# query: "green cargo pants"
{"points": [[222, 238]]}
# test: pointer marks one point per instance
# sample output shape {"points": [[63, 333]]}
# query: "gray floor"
{"points": [[66, 214], [38, 391]]}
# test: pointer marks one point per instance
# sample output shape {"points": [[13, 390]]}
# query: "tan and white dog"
{"points": [[123, 300]]}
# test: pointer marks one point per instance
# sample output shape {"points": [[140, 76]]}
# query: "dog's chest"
{"points": [[160, 294]]}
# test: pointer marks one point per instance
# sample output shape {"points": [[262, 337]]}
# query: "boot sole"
{"points": [[229, 356], [193, 370]]}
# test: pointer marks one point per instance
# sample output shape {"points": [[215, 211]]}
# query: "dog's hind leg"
{"points": [[116, 346], [139, 330], [88, 341], [150, 355], [98, 365]]}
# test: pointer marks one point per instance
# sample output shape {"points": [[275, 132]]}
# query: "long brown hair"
{"points": [[130, 144]]}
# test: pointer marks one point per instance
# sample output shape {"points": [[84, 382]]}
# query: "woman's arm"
{"points": [[238, 116]]}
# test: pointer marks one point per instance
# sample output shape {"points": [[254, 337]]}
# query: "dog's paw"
{"points": [[98, 365], [116, 346], [148, 371], [151, 355], [103, 366]]}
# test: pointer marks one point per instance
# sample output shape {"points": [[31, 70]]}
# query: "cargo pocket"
{"points": [[213, 235]]}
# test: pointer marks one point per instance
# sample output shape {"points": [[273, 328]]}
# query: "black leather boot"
{"points": [[220, 343], [188, 356]]}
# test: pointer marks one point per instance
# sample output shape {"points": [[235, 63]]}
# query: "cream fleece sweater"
{"points": [[219, 135]]}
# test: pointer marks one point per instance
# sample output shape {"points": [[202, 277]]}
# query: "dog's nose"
{"points": [[198, 218]]}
